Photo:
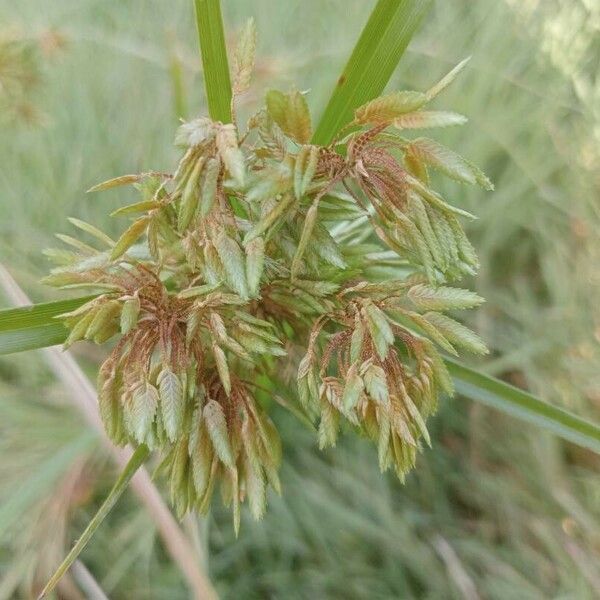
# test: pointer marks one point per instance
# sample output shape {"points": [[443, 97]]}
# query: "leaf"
{"points": [[374, 58], [426, 297], [339, 207], [214, 59], [421, 219], [434, 199], [290, 112], [233, 261], [243, 59], [387, 108], [61, 257], [216, 425], [430, 330], [427, 119], [172, 402], [457, 333], [75, 243], [213, 268], [326, 247], [199, 290], [135, 462], [235, 492], [441, 378], [231, 155], [116, 182], [35, 326], [271, 181], [179, 477], [131, 235], [480, 177], [524, 406], [255, 259], [446, 80]]}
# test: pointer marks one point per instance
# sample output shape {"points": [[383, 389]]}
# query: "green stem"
{"points": [[135, 462], [214, 59]]}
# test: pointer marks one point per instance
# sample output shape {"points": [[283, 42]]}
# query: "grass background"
{"points": [[496, 509]]}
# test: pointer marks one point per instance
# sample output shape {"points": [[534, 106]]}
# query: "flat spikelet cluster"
{"points": [[261, 249]]}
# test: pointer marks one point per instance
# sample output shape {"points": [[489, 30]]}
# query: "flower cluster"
{"points": [[261, 242]]}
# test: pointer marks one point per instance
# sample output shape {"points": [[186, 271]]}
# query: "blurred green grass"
{"points": [[496, 509]]}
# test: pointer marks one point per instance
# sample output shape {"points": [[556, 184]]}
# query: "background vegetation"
{"points": [[496, 509]]}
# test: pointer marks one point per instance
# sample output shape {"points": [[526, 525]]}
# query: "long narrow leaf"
{"points": [[372, 62], [217, 82], [34, 326], [135, 462], [504, 397]]}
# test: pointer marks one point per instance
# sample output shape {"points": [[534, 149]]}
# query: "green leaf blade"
{"points": [[520, 404], [35, 326], [215, 66], [374, 58]]}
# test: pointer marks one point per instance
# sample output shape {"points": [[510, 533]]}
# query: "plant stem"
{"points": [[215, 67], [135, 462]]}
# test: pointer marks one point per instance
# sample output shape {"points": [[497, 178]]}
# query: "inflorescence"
{"points": [[263, 250]]}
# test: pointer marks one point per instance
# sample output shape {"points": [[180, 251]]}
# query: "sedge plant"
{"points": [[231, 272], [265, 258]]}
